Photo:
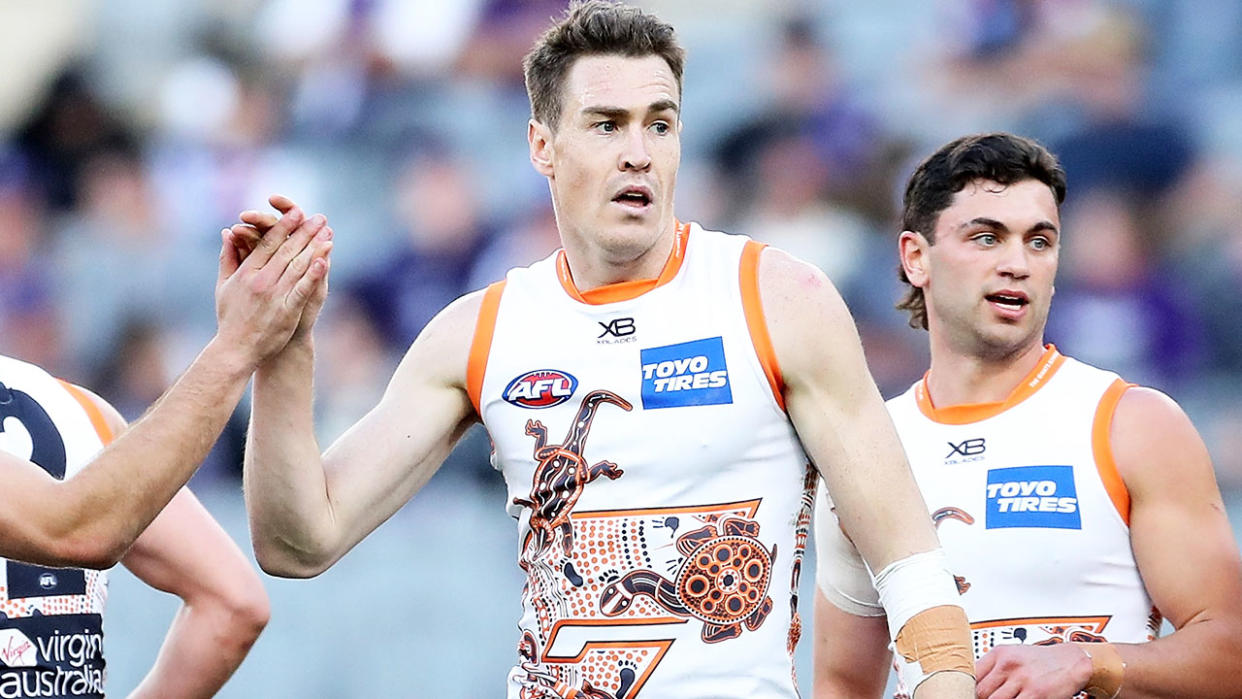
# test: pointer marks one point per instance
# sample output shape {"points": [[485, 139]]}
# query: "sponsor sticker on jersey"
{"points": [[1032, 496], [688, 373], [54, 655], [542, 388]]}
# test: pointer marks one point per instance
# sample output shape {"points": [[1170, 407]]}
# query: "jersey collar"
{"points": [[965, 413], [624, 291]]}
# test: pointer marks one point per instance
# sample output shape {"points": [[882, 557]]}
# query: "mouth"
{"points": [[1010, 303], [634, 197]]}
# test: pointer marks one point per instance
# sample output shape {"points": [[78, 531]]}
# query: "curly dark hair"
{"points": [[1000, 157], [593, 28]]}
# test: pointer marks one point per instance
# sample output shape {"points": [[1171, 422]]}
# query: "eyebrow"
{"points": [[993, 223], [617, 112]]}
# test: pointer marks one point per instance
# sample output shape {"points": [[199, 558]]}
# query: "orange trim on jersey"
{"points": [[481, 345], [749, 506], [752, 308], [98, 421], [966, 413], [1097, 622], [624, 291], [1102, 449]]}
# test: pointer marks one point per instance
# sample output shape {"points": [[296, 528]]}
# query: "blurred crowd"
{"points": [[132, 132]]}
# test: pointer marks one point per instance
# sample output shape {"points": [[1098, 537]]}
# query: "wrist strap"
{"points": [[1107, 670]]}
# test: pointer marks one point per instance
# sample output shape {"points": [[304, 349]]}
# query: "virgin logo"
{"points": [[15, 649]]}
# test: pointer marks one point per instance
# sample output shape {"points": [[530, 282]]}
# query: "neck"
{"points": [[594, 265], [963, 378]]}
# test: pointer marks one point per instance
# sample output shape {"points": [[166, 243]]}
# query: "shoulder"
{"points": [[442, 350], [806, 316], [1154, 442]]}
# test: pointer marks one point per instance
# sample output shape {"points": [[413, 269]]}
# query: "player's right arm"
{"points": [[840, 419], [92, 518], [307, 509]]}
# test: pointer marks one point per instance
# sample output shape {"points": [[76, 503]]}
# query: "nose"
{"points": [[636, 155], [1013, 261]]}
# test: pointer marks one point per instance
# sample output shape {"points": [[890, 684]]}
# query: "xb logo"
{"points": [[619, 327], [969, 447]]}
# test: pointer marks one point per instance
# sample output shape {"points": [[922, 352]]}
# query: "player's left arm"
{"points": [[840, 418], [185, 552], [1185, 549], [1189, 562]]}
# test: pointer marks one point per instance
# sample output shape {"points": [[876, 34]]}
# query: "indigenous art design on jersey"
{"points": [[604, 638], [721, 580], [561, 475], [960, 515], [802, 529]]}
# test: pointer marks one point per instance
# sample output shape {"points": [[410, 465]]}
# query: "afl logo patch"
{"points": [[542, 388]]}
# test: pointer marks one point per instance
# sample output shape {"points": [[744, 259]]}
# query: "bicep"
{"points": [[185, 552], [1179, 531]]}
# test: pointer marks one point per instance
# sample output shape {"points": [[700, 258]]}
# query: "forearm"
{"points": [[149, 462], [204, 646], [1201, 659], [286, 488], [875, 495]]}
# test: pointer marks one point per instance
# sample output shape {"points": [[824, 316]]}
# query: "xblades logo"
{"points": [[967, 450], [619, 328]]}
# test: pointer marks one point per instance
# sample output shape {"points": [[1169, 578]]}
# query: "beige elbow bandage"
{"points": [[1107, 670], [937, 640], [929, 628]]}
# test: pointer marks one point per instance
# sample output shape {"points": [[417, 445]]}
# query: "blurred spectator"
{"points": [[29, 317], [527, 239], [1116, 305], [70, 128], [440, 236], [791, 211], [1124, 140], [1205, 217], [352, 364], [504, 33], [809, 103], [113, 259]]}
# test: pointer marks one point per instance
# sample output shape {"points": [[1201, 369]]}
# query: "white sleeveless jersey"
{"points": [[51, 628], [661, 495], [1030, 508]]}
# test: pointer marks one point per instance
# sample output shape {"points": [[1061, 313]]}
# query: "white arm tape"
{"points": [[914, 584], [841, 574]]}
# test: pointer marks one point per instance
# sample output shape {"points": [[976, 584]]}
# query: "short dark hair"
{"points": [[593, 28], [1000, 157]]}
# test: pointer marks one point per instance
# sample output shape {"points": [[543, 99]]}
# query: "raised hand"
{"points": [[246, 236], [261, 299]]}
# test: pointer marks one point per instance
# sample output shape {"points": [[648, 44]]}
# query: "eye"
{"points": [[986, 239], [662, 127], [1041, 243], [607, 126]]}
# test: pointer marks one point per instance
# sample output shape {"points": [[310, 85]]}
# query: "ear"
{"points": [[539, 136], [912, 248]]}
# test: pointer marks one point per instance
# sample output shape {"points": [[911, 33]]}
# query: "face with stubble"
{"points": [[612, 159]]}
